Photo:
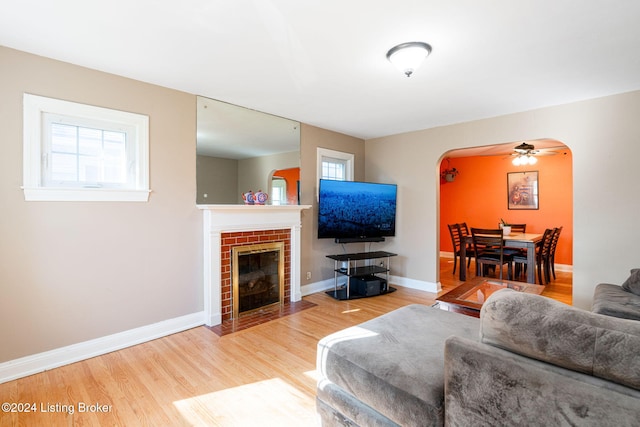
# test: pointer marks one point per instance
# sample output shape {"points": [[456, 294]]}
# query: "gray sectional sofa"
{"points": [[528, 360], [619, 301]]}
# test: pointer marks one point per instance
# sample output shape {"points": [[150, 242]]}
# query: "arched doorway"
{"points": [[478, 194]]}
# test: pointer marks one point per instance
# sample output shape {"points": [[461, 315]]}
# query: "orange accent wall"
{"points": [[478, 196], [291, 177]]}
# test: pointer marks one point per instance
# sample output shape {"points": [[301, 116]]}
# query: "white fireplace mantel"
{"points": [[220, 219]]}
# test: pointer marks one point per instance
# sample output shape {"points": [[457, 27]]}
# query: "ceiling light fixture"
{"points": [[524, 160], [524, 155], [407, 57]]}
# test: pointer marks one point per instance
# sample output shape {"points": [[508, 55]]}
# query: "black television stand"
{"points": [[363, 279]]}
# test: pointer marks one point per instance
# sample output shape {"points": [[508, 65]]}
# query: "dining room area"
{"points": [[506, 217]]}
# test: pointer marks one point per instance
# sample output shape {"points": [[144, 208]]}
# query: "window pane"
{"points": [[89, 167], [64, 138], [115, 157], [64, 167], [278, 192], [333, 170], [91, 156], [90, 141]]}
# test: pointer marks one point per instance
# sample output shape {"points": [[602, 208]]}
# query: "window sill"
{"points": [[84, 195]]}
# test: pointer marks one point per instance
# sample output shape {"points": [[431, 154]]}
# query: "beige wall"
{"points": [[75, 271], [314, 250], [218, 179], [603, 136]]}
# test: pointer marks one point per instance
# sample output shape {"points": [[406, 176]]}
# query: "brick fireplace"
{"points": [[252, 238], [227, 225]]}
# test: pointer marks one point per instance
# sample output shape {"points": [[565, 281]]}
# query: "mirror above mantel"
{"points": [[241, 150]]}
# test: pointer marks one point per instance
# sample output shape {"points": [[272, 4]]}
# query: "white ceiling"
{"points": [[323, 62]]}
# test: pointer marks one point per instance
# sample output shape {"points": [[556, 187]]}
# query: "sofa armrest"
{"points": [[553, 332], [613, 300], [486, 385]]}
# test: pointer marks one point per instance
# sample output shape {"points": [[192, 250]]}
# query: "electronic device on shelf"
{"points": [[354, 211]]}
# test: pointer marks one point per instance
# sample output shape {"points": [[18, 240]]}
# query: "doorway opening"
{"points": [[479, 196]]}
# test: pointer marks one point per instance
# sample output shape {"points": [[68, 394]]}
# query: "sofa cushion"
{"points": [[632, 284], [612, 300], [544, 329], [395, 362]]}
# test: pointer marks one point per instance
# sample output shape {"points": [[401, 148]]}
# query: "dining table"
{"points": [[527, 241]]}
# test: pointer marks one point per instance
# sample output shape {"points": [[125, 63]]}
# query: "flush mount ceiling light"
{"points": [[407, 57]]}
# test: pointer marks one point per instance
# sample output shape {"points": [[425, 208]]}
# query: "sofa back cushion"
{"points": [[548, 330], [632, 284]]}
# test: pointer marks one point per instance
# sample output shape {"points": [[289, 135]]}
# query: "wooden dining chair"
{"points": [[464, 234], [454, 231], [489, 247], [541, 257], [458, 239], [518, 228], [552, 251]]}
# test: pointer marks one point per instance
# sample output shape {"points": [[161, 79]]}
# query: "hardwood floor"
{"points": [[264, 375]]}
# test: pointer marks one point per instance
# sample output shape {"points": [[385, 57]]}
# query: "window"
{"points": [[278, 191], [84, 153], [335, 165]]}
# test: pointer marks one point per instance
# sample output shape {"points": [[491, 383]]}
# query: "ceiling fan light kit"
{"points": [[407, 57], [524, 155]]}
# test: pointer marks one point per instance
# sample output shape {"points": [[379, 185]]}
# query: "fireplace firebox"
{"points": [[258, 273]]}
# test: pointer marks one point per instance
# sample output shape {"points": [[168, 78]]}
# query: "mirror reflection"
{"points": [[241, 150]]}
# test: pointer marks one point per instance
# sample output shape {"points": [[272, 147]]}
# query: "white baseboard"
{"points": [[40, 362], [415, 284], [328, 284], [564, 268], [315, 287]]}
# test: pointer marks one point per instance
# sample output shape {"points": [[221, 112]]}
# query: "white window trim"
{"points": [[33, 108], [347, 157], [325, 152]]}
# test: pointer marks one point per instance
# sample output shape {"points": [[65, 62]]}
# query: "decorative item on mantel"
{"points": [[449, 174], [248, 198], [260, 198], [257, 198]]}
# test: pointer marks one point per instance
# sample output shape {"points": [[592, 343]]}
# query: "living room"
{"points": [[78, 272]]}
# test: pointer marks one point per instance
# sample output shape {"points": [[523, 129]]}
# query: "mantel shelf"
{"points": [[254, 208]]}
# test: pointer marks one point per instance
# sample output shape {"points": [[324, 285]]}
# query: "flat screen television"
{"points": [[356, 211]]}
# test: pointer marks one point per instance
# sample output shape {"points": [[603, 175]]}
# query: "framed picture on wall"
{"points": [[522, 190]]}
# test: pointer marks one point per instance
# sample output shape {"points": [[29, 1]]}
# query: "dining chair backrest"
{"points": [[454, 231], [464, 229], [488, 245], [552, 250], [488, 241], [554, 240], [545, 245], [518, 228]]}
